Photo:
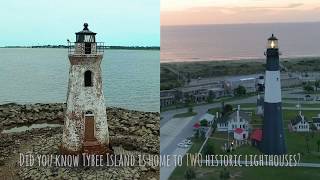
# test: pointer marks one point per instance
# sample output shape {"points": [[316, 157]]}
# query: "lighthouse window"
{"points": [[88, 78]]}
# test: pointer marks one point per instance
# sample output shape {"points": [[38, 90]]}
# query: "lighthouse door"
{"points": [[89, 127]]}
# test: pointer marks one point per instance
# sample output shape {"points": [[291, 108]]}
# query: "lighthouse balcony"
{"points": [[85, 49]]}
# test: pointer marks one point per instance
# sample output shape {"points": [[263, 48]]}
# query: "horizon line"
{"points": [[244, 23], [4, 46]]}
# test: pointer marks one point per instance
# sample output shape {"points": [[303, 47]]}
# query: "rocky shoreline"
{"points": [[132, 131]]}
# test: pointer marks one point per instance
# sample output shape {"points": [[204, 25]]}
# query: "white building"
{"points": [[237, 119], [316, 121], [208, 117], [300, 123], [240, 134]]}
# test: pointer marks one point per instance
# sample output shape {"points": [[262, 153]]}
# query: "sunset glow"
{"points": [[187, 12]]}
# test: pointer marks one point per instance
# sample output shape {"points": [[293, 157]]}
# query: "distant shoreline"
{"points": [[105, 47], [240, 60]]}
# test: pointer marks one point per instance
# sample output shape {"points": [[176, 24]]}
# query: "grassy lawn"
{"points": [[254, 173], [296, 143], [253, 105], [186, 114]]}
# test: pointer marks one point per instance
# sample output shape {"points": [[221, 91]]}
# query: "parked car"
{"points": [[183, 145], [187, 142]]}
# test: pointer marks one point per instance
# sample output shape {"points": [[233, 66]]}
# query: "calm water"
{"points": [[231, 42], [130, 78]]}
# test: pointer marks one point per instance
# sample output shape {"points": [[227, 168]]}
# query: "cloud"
{"points": [[292, 12], [294, 5]]}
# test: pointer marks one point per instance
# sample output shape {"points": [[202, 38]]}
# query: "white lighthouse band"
{"points": [[272, 87]]}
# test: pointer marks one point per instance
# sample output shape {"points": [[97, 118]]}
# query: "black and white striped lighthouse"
{"points": [[273, 135]]}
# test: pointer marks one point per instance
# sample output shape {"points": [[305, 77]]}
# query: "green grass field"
{"points": [[296, 143], [256, 173], [186, 114]]}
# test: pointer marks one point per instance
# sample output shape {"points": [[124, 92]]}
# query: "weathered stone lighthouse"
{"points": [[85, 122], [273, 141]]}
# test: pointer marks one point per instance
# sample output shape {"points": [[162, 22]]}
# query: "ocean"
{"points": [[237, 41], [130, 77]]}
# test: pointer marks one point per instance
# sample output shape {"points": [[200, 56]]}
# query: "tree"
{"points": [[307, 143], [190, 109], [224, 174], [204, 122], [317, 84], [189, 174], [308, 88], [240, 91], [211, 97], [318, 144], [226, 109], [313, 128]]}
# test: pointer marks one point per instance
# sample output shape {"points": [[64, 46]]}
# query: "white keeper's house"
{"points": [[300, 123], [236, 122]]}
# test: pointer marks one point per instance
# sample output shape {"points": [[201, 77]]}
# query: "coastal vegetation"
{"points": [[186, 114], [175, 74]]}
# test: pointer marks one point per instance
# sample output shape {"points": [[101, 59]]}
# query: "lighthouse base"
{"points": [[94, 147], [89, 147], [273, 140]]}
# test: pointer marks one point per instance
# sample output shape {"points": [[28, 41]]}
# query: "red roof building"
{"points": [[238, 130], [256, 135], [197, 125]]}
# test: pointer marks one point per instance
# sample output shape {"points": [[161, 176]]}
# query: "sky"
{"points": [[193, 12], [117, 22]]}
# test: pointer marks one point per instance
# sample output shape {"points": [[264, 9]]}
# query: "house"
{"points": [[232, 121], [216, 92], [240, 134], [300, 123], [316, 121], [308, 98], [168, 97], [260, 105]]}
